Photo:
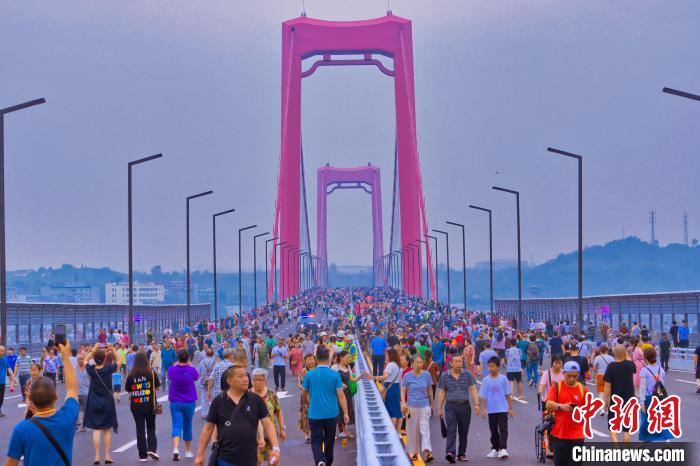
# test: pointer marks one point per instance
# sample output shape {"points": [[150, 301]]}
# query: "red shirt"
{"points": [[564, 426]]}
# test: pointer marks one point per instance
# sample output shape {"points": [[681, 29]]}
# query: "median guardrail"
{"points": [[378, 443]]}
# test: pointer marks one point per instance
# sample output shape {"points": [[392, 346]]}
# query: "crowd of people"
{"points": [[426, 358]]}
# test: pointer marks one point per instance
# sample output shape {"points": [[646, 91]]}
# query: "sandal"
{"points": [[429, 458]]}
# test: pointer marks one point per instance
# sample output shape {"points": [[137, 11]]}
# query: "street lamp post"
{"points": [[284, 265], [240, 273], [687, 95], [520, 272], [216, 296], [255, 268], [416, 265], [3, 252], [447, 253], [490, 252], [427, 269], [464, 260], [276, 247], [131, 248], [580, 228], [267, 300], [437, 282], [187, 240]]}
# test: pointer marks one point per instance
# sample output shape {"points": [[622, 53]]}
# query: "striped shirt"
{"points": [[219, 370], [456, 389], [23, 363]]}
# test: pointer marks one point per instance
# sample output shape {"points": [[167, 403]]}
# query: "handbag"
{"points": [[384, 390], [157, 407], [51, 439], [443, 427], [214, 456]]}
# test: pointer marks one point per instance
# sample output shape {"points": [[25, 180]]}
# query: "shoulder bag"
{"points": [[51, 439], [214, 456], [157, 407]]}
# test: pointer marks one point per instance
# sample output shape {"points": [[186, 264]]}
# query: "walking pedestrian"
{"points": [[274, 408], [182, 395], [418, 395], [455, 386], [5, 371], [100, 410], [391, 380], [205, 368], [562, 397], [142, 384], [22, 366], [280, 356], [347, 377], [652, 381], [309, 365], [235, 416], [377, 347], [514, 370], [324, 389], [619, 380], [83, 378], [496, 401]]}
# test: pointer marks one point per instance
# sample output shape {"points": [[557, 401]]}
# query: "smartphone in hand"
{"points": [[59, 331]]}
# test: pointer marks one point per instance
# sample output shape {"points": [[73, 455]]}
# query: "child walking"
{"points": [[497, 401]]}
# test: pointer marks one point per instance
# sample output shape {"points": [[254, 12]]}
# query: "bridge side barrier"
{"points": [[682, 359], [378, 443]]}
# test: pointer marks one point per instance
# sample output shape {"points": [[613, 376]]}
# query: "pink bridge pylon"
{"points": [[366, 178], [356, 43]]}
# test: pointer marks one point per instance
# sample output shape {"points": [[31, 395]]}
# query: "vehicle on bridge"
{"points": [[308, 322]]}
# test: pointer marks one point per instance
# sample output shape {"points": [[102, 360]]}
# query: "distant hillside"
{"points": [[628, 265]]}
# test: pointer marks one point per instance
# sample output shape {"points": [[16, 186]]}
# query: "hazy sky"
{"points": [[496, 83]]}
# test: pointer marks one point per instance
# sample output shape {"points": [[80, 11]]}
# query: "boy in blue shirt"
{"points": [[116, 385], [496, 401]]}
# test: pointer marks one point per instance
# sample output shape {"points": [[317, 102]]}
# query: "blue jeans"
{"points": [[181, 414], [531, 371], [224, 463]]}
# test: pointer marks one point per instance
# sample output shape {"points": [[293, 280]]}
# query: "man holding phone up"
{"points": [[562, 398]]}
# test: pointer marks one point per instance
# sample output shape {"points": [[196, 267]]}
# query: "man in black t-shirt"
{"points": [[237, 426], [619, 380]]}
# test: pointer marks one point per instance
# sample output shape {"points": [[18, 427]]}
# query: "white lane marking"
{"points": [[128, 445], [11, 397], [284, 396], [282, 393], [22, 405], [163, 398], [125, 447], [520, 401], [685, 381], [599, 433], [591, 383]]}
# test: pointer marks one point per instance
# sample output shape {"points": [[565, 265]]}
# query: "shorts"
{"points": [[523, 363], [501, 353], [116, 388], [514, 376], [600, 384]]}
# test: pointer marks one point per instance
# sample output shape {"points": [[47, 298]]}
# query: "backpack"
{"points": [[533, 353], [659, 391]]}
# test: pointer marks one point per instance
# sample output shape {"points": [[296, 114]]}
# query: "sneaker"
{"points": [[450, 458], [188, 454], [503, 454], [698, 390], [462, 458], [143, 460], [176, 455], [153, 455], [321, 463], [492, 454]]}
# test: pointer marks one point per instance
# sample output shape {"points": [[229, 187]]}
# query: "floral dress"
{"points": [[273, 407], [345, 378], [296, 359], [304, 409]]}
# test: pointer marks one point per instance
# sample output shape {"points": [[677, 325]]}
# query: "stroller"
{"points": [[542, 432]]}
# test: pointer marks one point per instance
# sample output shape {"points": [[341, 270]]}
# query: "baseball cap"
{"points": [[571, 366], [340, 334]]}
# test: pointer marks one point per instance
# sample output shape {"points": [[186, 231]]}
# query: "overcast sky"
{"points": [[497, 82]]}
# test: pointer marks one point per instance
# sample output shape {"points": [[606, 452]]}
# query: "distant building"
{"points": [[144, 293], [176, 292], [205, 295], [71, 294]]}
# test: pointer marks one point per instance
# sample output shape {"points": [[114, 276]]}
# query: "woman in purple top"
{"points": [[183, 398]]}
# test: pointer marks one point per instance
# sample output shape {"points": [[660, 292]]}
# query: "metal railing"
{"points": [[682, 359], [378, 443]]}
